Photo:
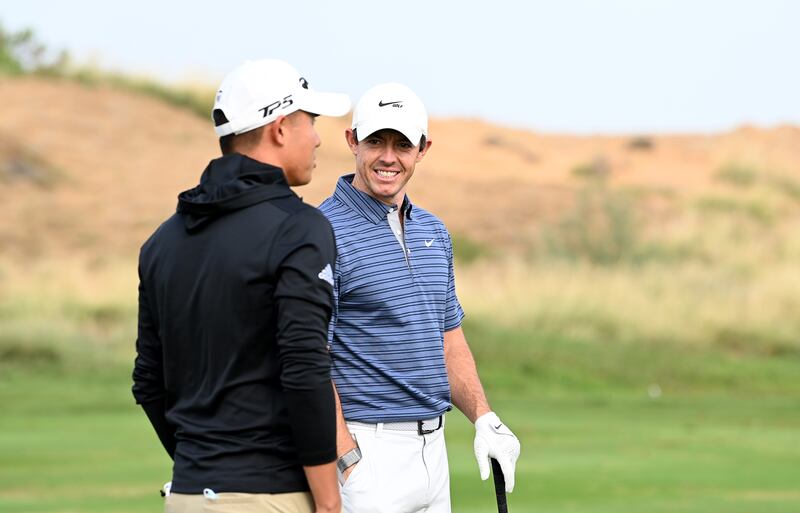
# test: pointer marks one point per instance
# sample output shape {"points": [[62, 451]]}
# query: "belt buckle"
{"points": [[421, 431]]}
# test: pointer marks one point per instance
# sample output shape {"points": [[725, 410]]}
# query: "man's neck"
{"points": [[265, 155]]}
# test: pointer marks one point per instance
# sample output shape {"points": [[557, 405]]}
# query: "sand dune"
{"points": [[94, 170]]}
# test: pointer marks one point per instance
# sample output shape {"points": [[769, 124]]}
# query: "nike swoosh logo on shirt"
{"points": [[382, 104], [429, 242]]}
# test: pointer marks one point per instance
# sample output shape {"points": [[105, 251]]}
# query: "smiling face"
{"points": [[385, 162]]}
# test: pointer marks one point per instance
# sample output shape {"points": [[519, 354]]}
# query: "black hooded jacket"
{"points": [[232, 366]]}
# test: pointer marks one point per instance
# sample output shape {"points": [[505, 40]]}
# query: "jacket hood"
{"points": [[230, 183]]}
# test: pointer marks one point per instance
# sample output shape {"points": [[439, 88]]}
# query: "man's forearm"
{"points": [[324, 487], [344, 441], [465, 385]]}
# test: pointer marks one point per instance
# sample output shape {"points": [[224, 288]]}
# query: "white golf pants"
{"points": [[399, 472]]}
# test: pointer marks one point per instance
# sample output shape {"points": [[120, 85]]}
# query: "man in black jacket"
{"points": [[235, 290]]}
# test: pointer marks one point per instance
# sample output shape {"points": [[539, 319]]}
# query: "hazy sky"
{"points": [[553, 65]]}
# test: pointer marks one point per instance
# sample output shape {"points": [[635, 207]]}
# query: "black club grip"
{"points": [[499, 487]]}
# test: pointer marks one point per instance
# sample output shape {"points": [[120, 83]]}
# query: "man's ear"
{"points": [[276, 131], [351, 140], [424, 151]]}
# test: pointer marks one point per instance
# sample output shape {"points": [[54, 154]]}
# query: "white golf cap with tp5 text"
{"points": [[258, 92]]}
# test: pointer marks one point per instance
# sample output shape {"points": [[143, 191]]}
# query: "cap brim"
{"points": [[412, 133], [326, 104]]}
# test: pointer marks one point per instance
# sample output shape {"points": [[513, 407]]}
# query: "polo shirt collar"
{"points": [[361, 202]]}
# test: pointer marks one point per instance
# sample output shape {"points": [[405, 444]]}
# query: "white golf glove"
{"points": [[494, 440]]}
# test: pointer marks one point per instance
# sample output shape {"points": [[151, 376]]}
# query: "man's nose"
{"points": [[388, 154]]}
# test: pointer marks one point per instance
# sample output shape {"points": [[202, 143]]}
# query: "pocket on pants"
{"points": [[358, 473], [358, 491]]}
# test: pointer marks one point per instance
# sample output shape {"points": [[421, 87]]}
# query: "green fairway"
{"points": [[631, 454], [75, 442], [72, 440]]}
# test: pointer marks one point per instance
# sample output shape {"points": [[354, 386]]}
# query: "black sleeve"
{"points": [[155, 412], [148, 375], [305, 255]]}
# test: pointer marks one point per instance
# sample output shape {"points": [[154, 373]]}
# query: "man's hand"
{"points": [[494, 440], [348, 471]]}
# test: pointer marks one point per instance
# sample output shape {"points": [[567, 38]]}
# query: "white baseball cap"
{"points": [[394, 106], [257, 92]]}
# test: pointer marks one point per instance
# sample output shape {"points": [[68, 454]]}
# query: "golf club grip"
{"points": [[499, 487]]}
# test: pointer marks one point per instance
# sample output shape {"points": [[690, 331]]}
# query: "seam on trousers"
{"points": [[427, 471]]}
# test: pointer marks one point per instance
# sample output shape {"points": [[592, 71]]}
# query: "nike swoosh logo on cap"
{"points": [[382, 104]]}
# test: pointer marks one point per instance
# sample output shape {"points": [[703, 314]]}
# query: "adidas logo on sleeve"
{"points": [[326, 274]]}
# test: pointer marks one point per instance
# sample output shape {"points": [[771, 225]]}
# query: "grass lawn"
{"points": [[74, 441], [617, 454]]}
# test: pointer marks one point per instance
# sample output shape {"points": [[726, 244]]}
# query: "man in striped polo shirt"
{"points": [[399, 354]]}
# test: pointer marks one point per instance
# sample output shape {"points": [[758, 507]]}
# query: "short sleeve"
{"points": [[454, 314]]}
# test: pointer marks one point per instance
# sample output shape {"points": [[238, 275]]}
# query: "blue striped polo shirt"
{"points": [[391, 309]]}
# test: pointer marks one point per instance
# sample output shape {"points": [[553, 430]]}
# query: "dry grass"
{"points": [[684, 304], [710, 277], [69, 312]]}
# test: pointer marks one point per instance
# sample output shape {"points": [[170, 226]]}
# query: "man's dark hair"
{"points": [[233, 143], [422, 139]]}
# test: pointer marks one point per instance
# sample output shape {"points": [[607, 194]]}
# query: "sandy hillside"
{"points": [[94, 170]]}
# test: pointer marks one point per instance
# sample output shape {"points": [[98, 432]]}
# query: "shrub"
{"points": [[601, 228], [740, 175], [597, 169], [21, 53], [753, 210], [466, 250], [641, 143], [788, 186], [18, 163]]}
